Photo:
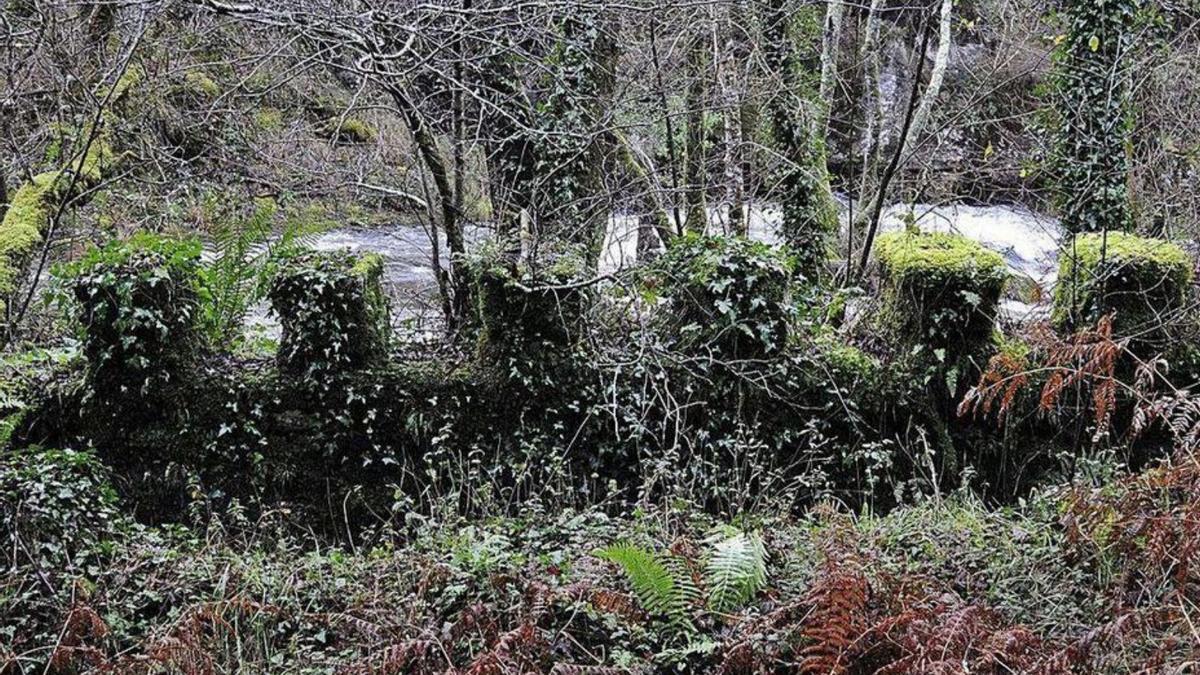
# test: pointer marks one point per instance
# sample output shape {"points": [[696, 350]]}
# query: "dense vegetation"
{"points": [[793, 428]]}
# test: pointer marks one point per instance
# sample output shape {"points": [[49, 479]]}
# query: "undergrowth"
{"points": [[1075, 580]]}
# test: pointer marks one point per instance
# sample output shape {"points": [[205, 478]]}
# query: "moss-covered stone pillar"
{"points": [[1140, 281], [530, 312], [940, 290], [333, 311]]}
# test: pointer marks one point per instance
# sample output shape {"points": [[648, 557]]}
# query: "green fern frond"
{"points": [[735, 571], [661, 584]]}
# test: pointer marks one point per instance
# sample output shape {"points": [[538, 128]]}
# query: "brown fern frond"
{"points": [[519, 650], [621, 604], [838, 598]]}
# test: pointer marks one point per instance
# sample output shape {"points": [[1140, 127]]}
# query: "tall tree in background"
{"points": [[1091, 102], [696, 170], [576, 135], [809, 211]]}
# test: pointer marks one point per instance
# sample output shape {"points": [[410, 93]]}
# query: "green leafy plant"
{"points": [[246, 257], [734, 571], [1091, 100], [659, 581], [729, 295]]}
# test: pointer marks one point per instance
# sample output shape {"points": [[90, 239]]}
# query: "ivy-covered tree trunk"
{"points": [[576, 145], [511, 148], [1091, 101], [809, 211]]}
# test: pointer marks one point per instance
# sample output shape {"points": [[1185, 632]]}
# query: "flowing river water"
{"points": [[1027, 240]]}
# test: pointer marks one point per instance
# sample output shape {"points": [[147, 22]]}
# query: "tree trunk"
{"points": [[809, 212], [431, 157], [937, 76], [831, 40], [697, 98], [672, 149], [730, 53]]}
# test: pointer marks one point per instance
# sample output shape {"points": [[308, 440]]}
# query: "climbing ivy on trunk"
{"points": [[1091, 104]]}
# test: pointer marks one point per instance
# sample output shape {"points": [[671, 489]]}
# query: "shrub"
{"points": [[137, 302], [729, 296], [57, 504], [1142, 280], [334, 312], [939, 290]]}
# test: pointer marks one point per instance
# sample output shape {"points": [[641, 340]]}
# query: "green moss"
{"points": [[269, 119], [1090, 249], [33, 206], [21, 229], [132, 77], [368, 266], [351, 130], [1140, 279], [846, 362], [936, 253], [940, 290], [200, 84]]}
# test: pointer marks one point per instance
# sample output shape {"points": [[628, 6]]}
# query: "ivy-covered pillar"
{"points": [[137, 301], [334, 313], [576, 148]]}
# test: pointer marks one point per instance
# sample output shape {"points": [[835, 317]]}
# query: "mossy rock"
{"points": [[350, 131], [1139, 279], [726, 295], [333, 310], [35, 203], [269, 119], [940, 290], [200, 85]]}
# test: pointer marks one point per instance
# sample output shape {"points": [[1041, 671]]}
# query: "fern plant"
{"points": [[660, 582], [245, 257], [734, 571]]}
